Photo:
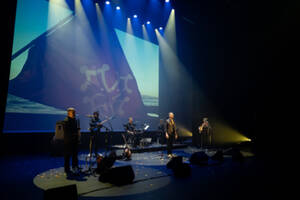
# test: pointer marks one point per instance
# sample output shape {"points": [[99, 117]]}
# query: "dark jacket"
{"points": [[94, 127], [129, 127], [71, 127]]}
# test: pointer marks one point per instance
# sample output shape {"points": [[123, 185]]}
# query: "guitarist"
{"points": [[204, 137], [95, 127]]}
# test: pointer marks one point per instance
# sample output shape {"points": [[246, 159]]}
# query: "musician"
{"points": [[71, 140], [204, 137], [95, 128], [130, 130], [170, 133]]}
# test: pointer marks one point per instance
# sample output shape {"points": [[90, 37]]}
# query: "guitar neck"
{"points": [[101, 123]]}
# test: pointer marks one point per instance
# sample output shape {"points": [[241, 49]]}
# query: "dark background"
{"points": [[238, 54]]}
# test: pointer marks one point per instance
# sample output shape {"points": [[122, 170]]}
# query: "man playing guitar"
{"points": [[204, 137], [95, 126]]}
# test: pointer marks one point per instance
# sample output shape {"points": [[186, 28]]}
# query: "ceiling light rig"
{"points": [[134, 16]]}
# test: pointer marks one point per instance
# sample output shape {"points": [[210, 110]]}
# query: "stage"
{"points": [[149, 148], [26, 177]]}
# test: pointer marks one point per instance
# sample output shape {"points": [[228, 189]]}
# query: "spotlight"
{"points": [[118, 8], [167, 1], [148, 22], [160, 28], [135, 16], [107, 2]]}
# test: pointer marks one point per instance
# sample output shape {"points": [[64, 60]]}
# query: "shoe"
{"points": [[76, 170], [69, 174]]}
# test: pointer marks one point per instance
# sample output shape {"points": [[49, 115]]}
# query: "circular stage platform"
{"points": [[149, 169]]}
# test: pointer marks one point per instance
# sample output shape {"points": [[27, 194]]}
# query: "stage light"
{"points": [[135, 16], [148, 22], [129, 26], [145, 34], [160, 28], [170, 31], [107, 2], [118, 8], [167, 1]]}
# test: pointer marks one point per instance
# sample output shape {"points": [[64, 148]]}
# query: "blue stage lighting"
{"points": [[118, 8], [107, 2], [148, 22], [160, 28], [135, 16], [167, 1]]}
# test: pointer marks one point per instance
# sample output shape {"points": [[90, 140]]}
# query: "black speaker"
{"points": [[179, 168], [66, 192], [118, 175], [199, 158], [106, 163], [182, 170], [175, 161], [218, 156]]}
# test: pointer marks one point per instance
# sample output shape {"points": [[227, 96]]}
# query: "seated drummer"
{"points": [[130, 130]]}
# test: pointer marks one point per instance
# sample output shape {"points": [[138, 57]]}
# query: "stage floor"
{"points": [[149, 148], [26, 177]]}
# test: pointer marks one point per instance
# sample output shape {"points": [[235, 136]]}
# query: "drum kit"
{"points": [[138, 139]]}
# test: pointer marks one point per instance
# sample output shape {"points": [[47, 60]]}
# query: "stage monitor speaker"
{"points": [[107, 162], [118, 175], [218, 156], [59, 130], [175, 161], [182, 170], [179, 168], [66, 192], [199, 158]]}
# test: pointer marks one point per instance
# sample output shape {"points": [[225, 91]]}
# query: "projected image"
{"points": [[64, 57]]}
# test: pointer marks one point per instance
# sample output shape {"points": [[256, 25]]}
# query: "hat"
{"points": [[70, 109]]}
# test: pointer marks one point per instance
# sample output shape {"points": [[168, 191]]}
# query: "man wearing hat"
{"points": [[71, 138]]}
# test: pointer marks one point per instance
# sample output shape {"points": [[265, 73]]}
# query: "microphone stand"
{"points": [[106, 140]]}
